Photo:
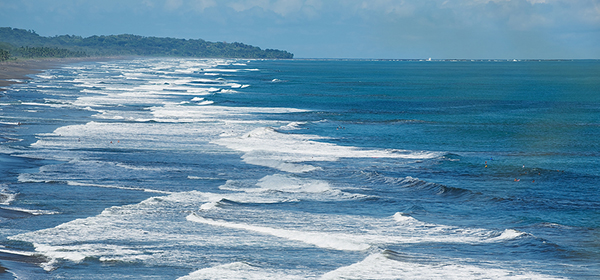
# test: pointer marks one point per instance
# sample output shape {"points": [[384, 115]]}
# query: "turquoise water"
{"points": [[221, 169]]}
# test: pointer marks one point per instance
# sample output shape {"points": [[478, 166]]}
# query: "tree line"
{"points": [[4, 55], [22, 43], [32, 52]]}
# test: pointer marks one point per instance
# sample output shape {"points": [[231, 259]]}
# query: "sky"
{"points": [[384, 29]]}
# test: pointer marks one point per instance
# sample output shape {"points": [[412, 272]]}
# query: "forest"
{"points": [[28, 44], [4, 55]]}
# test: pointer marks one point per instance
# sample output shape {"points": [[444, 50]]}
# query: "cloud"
{"points": [[390, 7], [201, 5], [326, 28], [280, 7], [286, 7], [173, 4]]}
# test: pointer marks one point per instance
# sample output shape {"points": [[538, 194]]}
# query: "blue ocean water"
{"points": [[167, 168]]}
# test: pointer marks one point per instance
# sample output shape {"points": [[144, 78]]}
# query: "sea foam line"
{"points": [[266, 146], [72, 183], [236, 269], [319, 239], [383, 266]]}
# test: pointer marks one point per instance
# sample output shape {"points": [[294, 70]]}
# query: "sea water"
{"points": [[173, 168]]}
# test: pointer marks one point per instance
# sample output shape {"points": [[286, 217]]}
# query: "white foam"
{"points": [[6, 196], [77, 253], [132, 167], [32, 212], [351, 232], [107, 236], [267, 147], [403, 218], [15, 252], [228, 91], [130, 136], [229, 70], [45, 76], [141, 232], [242, 270], [286, 183], [442, 233], [246, 195], [178, 113], [202, 178], [378, 266], [278, 161], [54, 105], [73, 183], [292, 126], [9, 123], [209, 206], [319, 239], [509, 234], [285, 188], [206, 102]]}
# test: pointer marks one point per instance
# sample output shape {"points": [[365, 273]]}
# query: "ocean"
{"points": [[177, 168]]}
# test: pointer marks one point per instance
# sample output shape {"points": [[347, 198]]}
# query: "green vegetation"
{"points": [[4, 51], [27, 43], [4, 55], [31, 52]]}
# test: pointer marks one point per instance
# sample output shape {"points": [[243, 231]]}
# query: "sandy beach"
{"points": [[13, 71], [17, 71]]}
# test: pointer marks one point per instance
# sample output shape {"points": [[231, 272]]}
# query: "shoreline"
{"points": [[19, 71], [16, 72]]}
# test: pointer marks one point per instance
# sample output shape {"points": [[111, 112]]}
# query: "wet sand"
{"points": [[18, 71]]}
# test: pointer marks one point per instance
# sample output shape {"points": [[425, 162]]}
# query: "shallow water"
{"points": [[220, 169]]}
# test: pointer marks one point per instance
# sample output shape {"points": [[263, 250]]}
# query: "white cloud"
{"points": [[173, 4], [395, 7], [280, 7], [148, 3], [285, 7], [201, 5], [509, 14], [343, 27], [244, 5]]}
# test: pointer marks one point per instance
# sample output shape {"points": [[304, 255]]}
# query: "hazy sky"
{"points": [[336, 28]]}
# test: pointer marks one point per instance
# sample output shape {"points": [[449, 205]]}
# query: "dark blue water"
{"points": [[224, 169]]}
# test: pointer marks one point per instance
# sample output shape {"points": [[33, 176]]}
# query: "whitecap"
{"points": [[381, 266], [319, 239], [287, 183], [6, 196], [243, 270], [266, 147], [509, 234]]}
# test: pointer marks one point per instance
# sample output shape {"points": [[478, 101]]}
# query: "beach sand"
{"points": [[18, 71]]}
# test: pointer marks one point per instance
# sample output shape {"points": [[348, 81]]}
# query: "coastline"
{"points": [[18, 71], [15, 72]]}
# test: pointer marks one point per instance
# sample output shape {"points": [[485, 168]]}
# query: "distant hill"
{"points": [[27, 43]]}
